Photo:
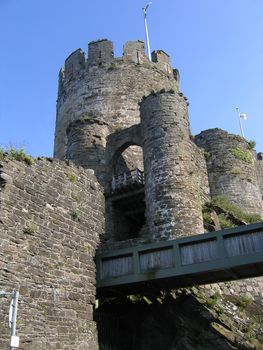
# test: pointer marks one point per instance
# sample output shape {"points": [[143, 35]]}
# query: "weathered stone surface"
{"points": [[173, 204], [52, 213], [230, 175], [259, 170], [109, 89], [51, 220]]}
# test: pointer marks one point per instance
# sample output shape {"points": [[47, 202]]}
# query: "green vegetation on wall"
{"points": [[228, 214], [16, 154], [242, 154]]}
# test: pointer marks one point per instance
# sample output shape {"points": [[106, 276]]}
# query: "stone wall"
{"points": [[87, 145], [259, 169], [172, 193], [252, 288], [109, 88], [51, 219], [231, 169]]}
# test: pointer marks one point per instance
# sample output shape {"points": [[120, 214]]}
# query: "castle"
{"points": [[126, 169]]}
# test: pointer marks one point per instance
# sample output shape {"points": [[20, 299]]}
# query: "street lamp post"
{"points": [[14, 342], [146, 29]]}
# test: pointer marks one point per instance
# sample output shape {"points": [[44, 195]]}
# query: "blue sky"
{"points": [[216, 44]]}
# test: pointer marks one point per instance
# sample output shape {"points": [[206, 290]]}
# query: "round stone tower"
{"points": [[172, 193], [231, 169], [86, 145], [107, 89]]}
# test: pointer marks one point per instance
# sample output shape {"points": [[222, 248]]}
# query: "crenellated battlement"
{"points": [[98, 83], [162, 60], [74, 63], [134, 51], [101, 52]]}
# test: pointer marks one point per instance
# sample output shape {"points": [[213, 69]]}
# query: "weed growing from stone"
{"points": [[75, 214], [30, 229], [72, 178]]}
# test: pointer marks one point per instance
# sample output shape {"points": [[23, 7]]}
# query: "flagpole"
{"points": [[240, 124], [146, 30]]}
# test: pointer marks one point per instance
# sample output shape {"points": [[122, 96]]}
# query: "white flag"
{"points": [[243, 116]]}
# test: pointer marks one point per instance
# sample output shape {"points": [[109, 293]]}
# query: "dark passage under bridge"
{"points": [[226, 255]]}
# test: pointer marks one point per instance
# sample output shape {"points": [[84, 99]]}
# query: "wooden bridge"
{"points": [[226, 255]]}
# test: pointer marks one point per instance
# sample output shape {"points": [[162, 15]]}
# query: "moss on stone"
{"points": [[242, 154], [236, 171]]}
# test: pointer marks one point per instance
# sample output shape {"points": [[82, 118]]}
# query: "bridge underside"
{"points": [[201, 259]]}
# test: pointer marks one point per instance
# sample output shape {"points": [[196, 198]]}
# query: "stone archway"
{"points": [[125, 205]]}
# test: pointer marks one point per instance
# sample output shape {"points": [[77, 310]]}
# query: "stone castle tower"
{"points": [[128, 171], [119, 114]]}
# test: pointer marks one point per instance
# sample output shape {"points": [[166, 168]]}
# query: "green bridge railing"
{"points": [[212, 257]]}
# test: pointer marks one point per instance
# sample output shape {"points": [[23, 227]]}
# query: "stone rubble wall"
{"points": [[251, 288], [173, 205], [259, 169], [51, 220], [229, 175], [107, 87], [87, 145], [201, 175]]}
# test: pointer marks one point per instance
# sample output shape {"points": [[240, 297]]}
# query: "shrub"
{"points": [[16, 154], [3, 154], [224, 222], [243, 301], [213, 301], [252, 144]]}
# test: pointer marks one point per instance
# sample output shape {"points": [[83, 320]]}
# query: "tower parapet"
{"points": [[108, 87], [100, 51], [74, 64], [162, 60], [134, 51]]}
